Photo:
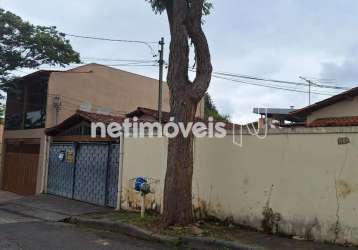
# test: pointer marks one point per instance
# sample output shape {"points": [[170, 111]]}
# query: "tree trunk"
{"points": [[178, 179], [185, 22]]}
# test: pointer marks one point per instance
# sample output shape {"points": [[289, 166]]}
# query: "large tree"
{"points": [[23, 45], [185, 23]]}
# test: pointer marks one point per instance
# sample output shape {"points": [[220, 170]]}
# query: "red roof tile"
{"points": [[148, 115], [151, 115], [82, 115], [143, 115], [335, 122], [96, 117]]}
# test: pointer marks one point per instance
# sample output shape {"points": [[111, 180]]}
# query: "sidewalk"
{"points": [[238, 239], [7, 196], [15, 208]]}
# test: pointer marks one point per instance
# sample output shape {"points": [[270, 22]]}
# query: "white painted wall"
{"points": [[303, 175]]}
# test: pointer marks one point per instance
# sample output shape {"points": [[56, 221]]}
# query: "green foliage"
{"points": [[211, 110], [159, 6], [2, 113], [23, 45]]}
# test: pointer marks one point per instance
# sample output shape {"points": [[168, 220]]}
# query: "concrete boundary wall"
{"points": [[296, 182]]}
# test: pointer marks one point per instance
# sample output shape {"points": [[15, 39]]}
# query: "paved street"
{"points": [[32, 223], [15, 208], [49, 235]]}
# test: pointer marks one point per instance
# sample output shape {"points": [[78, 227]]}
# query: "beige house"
{"points": [[45, 98], [338, 110]]}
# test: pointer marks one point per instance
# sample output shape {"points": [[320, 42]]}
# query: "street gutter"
{"points": [[137, 232]]}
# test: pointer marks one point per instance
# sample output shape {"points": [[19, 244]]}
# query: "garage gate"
{"points": [[20, 166], [84, 171]]}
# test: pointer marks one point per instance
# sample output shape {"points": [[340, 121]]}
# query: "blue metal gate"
{"points": [[90, 173], [92, 176], [113, 175]]}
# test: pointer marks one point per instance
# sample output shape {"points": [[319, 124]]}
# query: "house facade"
{"points": [[46, 98], [338, 110]]}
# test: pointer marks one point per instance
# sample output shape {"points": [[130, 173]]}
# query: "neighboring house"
{"points": [[277, 117], [85, 168], [46, 98], [338, 110], [89, 168], [82, 167]]}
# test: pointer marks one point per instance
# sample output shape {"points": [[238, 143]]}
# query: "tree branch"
{"points": [[202, 53], [178, 78]]}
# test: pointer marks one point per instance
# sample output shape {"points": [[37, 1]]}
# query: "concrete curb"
{"points": [[137, 232]]}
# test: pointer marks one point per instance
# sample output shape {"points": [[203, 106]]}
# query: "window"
{"points": [[14, 108], [26, 106], [35, 106]]}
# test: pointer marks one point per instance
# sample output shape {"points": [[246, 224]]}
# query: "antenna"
{"points": [[309, 88]]}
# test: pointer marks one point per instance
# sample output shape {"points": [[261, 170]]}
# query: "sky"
{"points": [[281, 39]]}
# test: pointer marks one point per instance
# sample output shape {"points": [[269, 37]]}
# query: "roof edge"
{"points": [[326, 102]]}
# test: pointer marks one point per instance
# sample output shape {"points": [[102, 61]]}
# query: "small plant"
{"points": [[270, 221]]}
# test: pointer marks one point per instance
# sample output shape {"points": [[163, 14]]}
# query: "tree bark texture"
{"points": [[185, 21]]}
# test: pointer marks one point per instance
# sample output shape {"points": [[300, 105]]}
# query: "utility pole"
{"points": [[310, 83], [161, 67]]}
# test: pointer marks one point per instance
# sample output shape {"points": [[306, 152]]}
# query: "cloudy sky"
{"points": [[280, 39]]}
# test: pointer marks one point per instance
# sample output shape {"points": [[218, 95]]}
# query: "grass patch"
{"points": [[149, 221], [201, 228]]}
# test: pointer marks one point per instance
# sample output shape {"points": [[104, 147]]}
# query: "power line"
{"points": [[109, 65], [117, 60], [130, 65], [219, 76], [269, 86], [146, 43], [279, 81], [260, 79], [110, 39]]}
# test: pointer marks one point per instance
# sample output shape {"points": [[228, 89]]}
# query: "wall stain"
{"points": [[270, 221], [343, 189]]}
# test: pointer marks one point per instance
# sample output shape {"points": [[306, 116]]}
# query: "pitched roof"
{"points": [[335, 122], [80, 116], [143, 115], [97, 117], [146, 114], [47, 73], [347, 95]]}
